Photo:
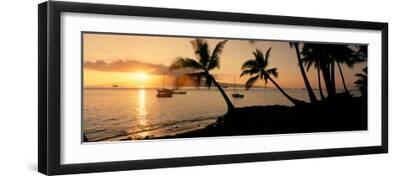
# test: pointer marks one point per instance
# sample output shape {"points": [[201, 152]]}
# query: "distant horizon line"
{"points": [[204, 87]]}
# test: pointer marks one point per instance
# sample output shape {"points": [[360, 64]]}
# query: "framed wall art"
{"points": [[126, 87]]}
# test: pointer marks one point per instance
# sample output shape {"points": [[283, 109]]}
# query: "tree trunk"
{"points": [[319, 84], [311, 94], [333, 77], [343, 81], [293, 100], [327, 78], [226, 98]]}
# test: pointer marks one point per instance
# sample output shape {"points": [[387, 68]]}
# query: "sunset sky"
{"points": [[140, 61]]}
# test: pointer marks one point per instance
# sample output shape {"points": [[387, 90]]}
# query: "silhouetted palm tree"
{"points": [[326, 56], [259, 68], [316, 54], [362, 82], [344, 54], [311, 94], [310, 61], [203, 64]]}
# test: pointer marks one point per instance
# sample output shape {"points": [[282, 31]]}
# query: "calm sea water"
{"points": [[117, 113]]}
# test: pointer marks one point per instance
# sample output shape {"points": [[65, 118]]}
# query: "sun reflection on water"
{"points": [[142, 111]]}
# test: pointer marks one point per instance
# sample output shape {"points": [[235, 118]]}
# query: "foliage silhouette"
{"points": [[203, 64], [362, 82], [310, 92], [259, 67], [324, 57]]}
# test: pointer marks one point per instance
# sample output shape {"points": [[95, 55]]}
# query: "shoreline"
{"points": [[338, 114], [173, 128], [335, 114]]}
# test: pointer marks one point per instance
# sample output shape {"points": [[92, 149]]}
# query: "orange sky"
{"points": [[140, 61]]}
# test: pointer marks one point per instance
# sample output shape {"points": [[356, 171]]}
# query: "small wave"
{"points": [[157, 127], [186, 121]]}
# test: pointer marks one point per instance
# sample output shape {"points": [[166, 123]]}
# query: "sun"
{"points": [[141, 76]]}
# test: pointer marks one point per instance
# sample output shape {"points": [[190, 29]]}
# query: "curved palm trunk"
{"points": [[344, 82], [319, 84], [311, 94], [291, 99], [333, 77], [226, 98]]}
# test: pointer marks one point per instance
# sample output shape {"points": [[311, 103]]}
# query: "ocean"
{"points": [[112, 114]]}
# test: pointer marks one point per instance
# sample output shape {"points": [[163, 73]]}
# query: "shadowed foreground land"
{"points": [[335, 114]]}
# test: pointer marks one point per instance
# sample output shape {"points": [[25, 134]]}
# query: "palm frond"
{"points": [[359, 82], [259, 57], [273, 72], [201, 50], [180, 63], [249, 71], [362, 81], [249, 64], [213, 63], [365, 70], [307, 64], [267, 57], [250, 82], [266, 82], [214, 60], [361, 75], [362, 52]]}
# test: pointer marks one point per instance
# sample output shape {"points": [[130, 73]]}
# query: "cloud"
{"points": [[129, 66]]}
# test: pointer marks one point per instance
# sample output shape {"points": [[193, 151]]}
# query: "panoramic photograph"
{"points": [[149, 87]]}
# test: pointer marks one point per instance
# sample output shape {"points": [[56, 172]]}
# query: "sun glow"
{"points": [[141, 76]]}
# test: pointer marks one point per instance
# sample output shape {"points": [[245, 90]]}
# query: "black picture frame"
{"points": [[49, 123]]}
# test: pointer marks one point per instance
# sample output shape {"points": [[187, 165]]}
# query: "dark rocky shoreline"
{"points": [[341, 113]]}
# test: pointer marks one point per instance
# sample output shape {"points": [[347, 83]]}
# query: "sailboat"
{"points": [[164, 92], [236, 95], [114, 85]]}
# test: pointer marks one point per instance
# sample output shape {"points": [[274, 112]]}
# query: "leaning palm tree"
{"points": [[203, 64], [258, 69], [311, 94]]}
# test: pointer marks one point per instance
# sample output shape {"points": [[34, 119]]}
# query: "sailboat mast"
{"points": [[234, 84], [163, 81]]}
